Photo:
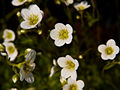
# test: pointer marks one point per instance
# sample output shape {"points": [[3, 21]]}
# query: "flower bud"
{"points": [[18, 14], [63, 81], [39, 32], [1, 48], [15, 78]]}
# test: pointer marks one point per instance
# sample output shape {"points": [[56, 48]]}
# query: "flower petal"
{"points": [[104, 56], [80, 84], [69, 40], [25, 13], [76, 64], [116, 49], [62, 61], [52, 71], [53, 34], [65, 73], [59, 42], [69, 28], [60, 26], [71, 80], [110, 42], [29, 78], [35, 9], [101, 48], [111, 57], [66, 87], [74, 75], [17, 2], [69, 57], [25, 25], [31, 56], [22, 74]]}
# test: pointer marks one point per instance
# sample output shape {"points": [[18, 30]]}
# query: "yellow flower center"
{"points": [[20, 0], [81, 7], [9, 35], [70, 65], [73, 87], [33, 19], [10, 49], [109, 50], [63, 34], [27, 68]]}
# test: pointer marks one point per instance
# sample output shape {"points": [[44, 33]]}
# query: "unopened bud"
{"points": [[22, 31], [39, 32], [58, 2], [80, 57], [77, 17], [27, 51], [18, 14], [63, 81], [1, 48], [15, 78]]}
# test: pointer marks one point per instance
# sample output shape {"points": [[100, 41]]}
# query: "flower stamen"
{"points": [[109, 50], [73, 87], [70, 65], [33, 19], [11, 49], [63, 34]]}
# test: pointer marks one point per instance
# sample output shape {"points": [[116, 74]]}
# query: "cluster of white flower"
{"points": [[68, 72], [10, 49], [62, 34]]}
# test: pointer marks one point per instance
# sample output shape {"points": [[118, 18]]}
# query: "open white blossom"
{"points": [[69, 66], [81, 6], [8, 35], [18, 2], [27, 68], [74, 85], [68, 2], [62, 34], [11, 50], [109, 50], [32, 16]]}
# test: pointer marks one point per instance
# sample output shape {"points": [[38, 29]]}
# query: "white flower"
{"points": [[53, 68], [11, 50], [18, 2], [68, 2], [109, 50], [69, 66], [81, 6], [27, 68], [32, 16], [13, 89], [74, 85], [62, 34], [8, 35]]}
